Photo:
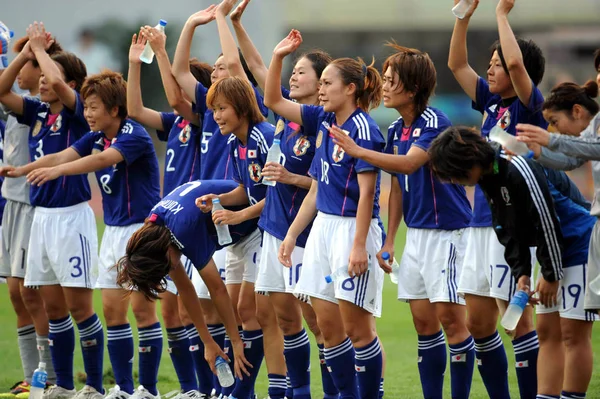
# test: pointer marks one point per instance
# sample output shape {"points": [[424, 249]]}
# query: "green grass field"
{"points": [[395, 331]]}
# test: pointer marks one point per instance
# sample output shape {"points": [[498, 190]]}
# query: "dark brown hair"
{"points": [[146, 262], [366, 78], [240, 94], [55, 47], [564, 96], [110, 87], [597, 60], [533, 59], [457, 151], [73, 68], [415, 71], [201, 71], [319, 60]]}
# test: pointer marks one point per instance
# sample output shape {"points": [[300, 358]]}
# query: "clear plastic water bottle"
{"points": [[342, 273], [510, 142], [38, 382], [515, 310], [595, 285], [274, 155], [395, 267], [147, 55], [460, 10], [222, 229], [224, 373]]}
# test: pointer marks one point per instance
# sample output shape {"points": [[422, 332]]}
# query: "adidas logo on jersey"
{"points": [[127, 128]]}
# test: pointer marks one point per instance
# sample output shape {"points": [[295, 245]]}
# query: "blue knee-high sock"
{"points": [[296, 349], [120, 352], [340, 363], [462, 361], [493, 365], [542, 396], [277, 386], [226, 391], [329, 389], [526, 353], [432, 364], [217, 331], [381, 390], [150, 348], [203, 372], [572, 395], [91, 336], [289, 391], [254, 352], [369, 364], [62, 346], [179, 350]]}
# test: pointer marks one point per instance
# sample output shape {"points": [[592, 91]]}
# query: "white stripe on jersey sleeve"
{"points": [[231, 138], [366, 125], [542, 207], [358, 128], [431, 118], [364, 133], [394, 123], [260, 139]]}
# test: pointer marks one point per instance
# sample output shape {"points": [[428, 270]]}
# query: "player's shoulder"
{"points": [[434, 118], [130, 126], [366, 127], [395, 124], [262, 133]]}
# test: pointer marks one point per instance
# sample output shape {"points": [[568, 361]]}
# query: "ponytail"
{"points": [[366, 79], [566, 95]]}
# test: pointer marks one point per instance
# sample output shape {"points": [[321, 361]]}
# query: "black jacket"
{"points": [[523, 216]]}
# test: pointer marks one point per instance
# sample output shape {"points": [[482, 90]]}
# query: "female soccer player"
{"points": [[286, 198], [180, 129], [63, 244], [176, 227], [509, 96], [436, 215], [571, 110], [215, 161], [16, 225], [345, 236], [237, 114]]}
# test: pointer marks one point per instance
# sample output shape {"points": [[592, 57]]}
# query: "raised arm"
{"points": [[251, 55], [228, 46], [274, 100], [512, 53], [7, 97], [135, 104], [458, 60], [38, 40], [181, 61]]}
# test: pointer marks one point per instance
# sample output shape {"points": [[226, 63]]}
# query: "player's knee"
{"points": [[265, 315], [359, 333], [144, 312], [14, 293], [31, 298], [54, 310], [170, 313], [289, 325], [575, 337], [247, 311], [481, 326], [547, 332], [311, 323]]}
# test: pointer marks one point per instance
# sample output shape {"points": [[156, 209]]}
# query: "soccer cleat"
{"points": [[57, 392], [88, 392], [20, 387], [143, 393], [116, 393]]}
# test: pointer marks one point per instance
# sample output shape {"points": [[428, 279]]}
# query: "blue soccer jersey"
{"points": [[131, 187], [426, 202], [2, 200], [505, 114], [50, 134], [248, 160], [215, 162], [182, 164], [283, 200], [193, 231], [337, 173]]}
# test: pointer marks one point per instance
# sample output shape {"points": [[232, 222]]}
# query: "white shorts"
{"points": [[571, 291], [485, 271], [63, 247], [114, 244], [272, 275], [328, 249], [431, 265], [16, 222], [242, 259], [592, 298]]}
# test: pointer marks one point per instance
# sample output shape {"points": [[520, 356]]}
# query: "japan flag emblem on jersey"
{"points": [[255, 172], [57, 124], [504, 120], [184, 135], [302, 145]]}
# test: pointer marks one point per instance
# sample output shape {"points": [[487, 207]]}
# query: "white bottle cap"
{"points": [[42, 365]]}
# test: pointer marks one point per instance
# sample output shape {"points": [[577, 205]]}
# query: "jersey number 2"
{"points": [[170, 156]]}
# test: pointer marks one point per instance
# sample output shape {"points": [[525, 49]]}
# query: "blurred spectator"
{"points": [[94, 54]]}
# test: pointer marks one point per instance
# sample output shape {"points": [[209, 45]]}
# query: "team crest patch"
{"points": [[280, 126], [302, 145], [255, 172], [319, 138], [184, 135], [338, 154], [504, 121], [57, 124], [36, 128]]}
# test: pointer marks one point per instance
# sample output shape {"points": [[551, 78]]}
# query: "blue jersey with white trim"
{"points": [[337, 173], [426, 202], [215, 162], [50, 134], [283, 200], [505, 114], [182, 164], [193, 231], [131, 187], [249, 160], [576, 222]]}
